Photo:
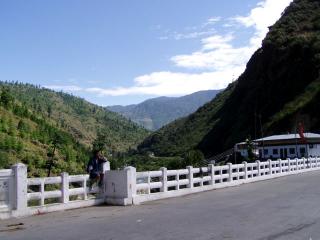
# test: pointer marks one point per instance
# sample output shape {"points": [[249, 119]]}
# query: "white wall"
{"points": [[315, 151]]}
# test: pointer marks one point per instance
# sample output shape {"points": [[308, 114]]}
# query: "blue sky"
{"points": [[125, 51]]}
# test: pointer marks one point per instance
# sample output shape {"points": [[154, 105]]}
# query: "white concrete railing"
{"points": [[165, 183], [63, 189], [128, 187], [6, 195], [22, 196]]}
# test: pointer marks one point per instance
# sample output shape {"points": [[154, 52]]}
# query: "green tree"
{"points": [[6, 99], [193, 158], [250, 148]]}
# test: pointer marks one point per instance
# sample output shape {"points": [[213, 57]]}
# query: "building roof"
{"points": [[288, 137]]}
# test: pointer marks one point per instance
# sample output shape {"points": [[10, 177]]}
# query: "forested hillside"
{"points": [[44, 129], [280, 87], [157, 112]]}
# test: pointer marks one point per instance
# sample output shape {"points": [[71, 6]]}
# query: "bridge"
{"points": [[271, 199], [282, 208]]}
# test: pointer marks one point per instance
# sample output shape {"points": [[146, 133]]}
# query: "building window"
{"points": [[302, 151], [265, 152], [292, 151], [275, 151]]}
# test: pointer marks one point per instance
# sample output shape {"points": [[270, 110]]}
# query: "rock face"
{"points": [[279, 88], [157, 112]]}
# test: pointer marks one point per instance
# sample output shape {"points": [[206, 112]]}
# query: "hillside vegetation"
{"points": [[46, 129], [156, 112], [279, 87]]}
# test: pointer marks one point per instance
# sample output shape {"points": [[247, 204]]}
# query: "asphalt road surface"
{"points": [[283, 208]]}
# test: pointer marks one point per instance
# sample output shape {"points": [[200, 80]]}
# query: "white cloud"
{"points": [[222, 55], [218, 58], [190, 35], [170, 84], [261, 17], [194, 32], [217, 42]]}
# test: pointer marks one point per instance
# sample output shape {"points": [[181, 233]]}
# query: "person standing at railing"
{"points": [[95, 168]]}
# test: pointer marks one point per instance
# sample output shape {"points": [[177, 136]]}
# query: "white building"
{"points": [[283, 146]]}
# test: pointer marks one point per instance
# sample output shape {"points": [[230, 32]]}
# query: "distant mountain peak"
{"points": [[156, 112]]}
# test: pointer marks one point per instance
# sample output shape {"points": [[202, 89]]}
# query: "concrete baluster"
{"points": [[258, 168], [42, 192], [211, 173], [270, 166], [178, 179], [21, 187], [245, 168], [289, 167], [164, 179], [230, 172], [190, 176], [65, 187], [149, 181], [84, 184]]}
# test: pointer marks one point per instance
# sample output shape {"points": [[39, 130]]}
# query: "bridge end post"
{"points": [[120, 186]]}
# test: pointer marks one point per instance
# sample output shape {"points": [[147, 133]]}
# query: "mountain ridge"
{"points": [[279, 87], [156, 112], [39, 126]]}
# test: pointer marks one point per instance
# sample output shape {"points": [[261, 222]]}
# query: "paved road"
{"points": [[284, 208]]}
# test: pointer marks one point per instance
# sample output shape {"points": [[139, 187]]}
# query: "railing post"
{"points": [[190, 176], [297, 164], [258, 168], [21, 188], [289, 167], [84, 184], [65, 187], [164, 179], [178, 179], [42, 190], [280, 165], [201, 176], [245, 168], [313, 162], [106, 166], [149, 181], [230, 172], [211, 172], [132, 181], [270, 167]]}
